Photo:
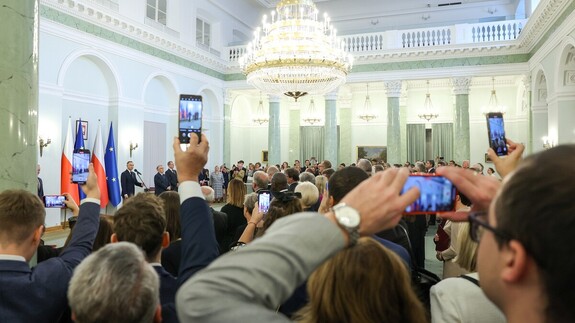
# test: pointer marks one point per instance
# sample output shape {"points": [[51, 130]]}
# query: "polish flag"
{"points": [[66, 185], [99, 168]]}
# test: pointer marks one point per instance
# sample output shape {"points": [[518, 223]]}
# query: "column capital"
{"points": [[461, 85], [393, 88], [331, 96], [274, 99]]}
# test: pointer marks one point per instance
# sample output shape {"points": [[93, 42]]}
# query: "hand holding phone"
{"points": [[80, 164], [54, 201], [189, 117], [264, 198], [496, 133], [436, 194]]}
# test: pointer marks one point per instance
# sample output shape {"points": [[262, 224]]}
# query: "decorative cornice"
{"points": [[461, 85], [543, 17]]}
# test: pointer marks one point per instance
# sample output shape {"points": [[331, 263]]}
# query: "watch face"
{"points": [[348, 217]]}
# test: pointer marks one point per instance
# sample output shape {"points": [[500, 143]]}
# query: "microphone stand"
{"points": [[146, 188]]}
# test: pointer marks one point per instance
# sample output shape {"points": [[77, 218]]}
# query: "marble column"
{"points": [[227, 127], [393, 91], [331, 141], [461, 147], [345, 116], [294, 138], [274, 138], [19, 149]]}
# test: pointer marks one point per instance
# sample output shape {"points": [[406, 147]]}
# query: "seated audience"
{"points": [[307, 177], [260, 181], [292, 178], [220, 218], [121, 267], [328, 172], [283, 204], [365, 165], [246, 233], [234, 210], [309, 195], [278, 183]]}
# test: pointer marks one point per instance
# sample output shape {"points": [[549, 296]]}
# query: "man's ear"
{"points": [[515, 262], [158, 314], [114, 238], [330, 201], [165, 239], [37, 236]]}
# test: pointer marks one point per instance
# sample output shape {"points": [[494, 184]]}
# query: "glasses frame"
{"points": [[475, 223]]}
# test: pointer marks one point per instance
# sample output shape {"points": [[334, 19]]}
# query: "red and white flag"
{"points": [[99, 168], [66, 185]]}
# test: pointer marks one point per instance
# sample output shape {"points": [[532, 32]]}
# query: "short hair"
{"points": [[21, 212], [250, 201], [345, 180], [170, 162], [241, 162], [114, 284], [208, 193], [307, 177], [320, 182], [128, 162], [279, 182], [309, 194], [378, 168], [432, 162], [141, 221], [536, 207], [419, 167], [326, 163], [172, 213], [365, 165], [292, 173], [328, 172], [261, 179], [272, 170], [236, 192]]}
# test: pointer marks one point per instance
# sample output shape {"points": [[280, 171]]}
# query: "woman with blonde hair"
{"points": [[234, 209], [309, 195], [320, 183], [371, 283]]}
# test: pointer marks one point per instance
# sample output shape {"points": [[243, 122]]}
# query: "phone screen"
{"points": [[80, 162], [437, 194], [496, 132], [190, 117], [264, 198], [54, 201]]}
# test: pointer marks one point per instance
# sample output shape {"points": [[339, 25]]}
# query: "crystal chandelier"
{"points": [[260, 117], [367, 114], [428, 111], [313, 116], [493, 105], [296, 54]]}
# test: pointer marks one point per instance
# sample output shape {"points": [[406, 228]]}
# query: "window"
{"points": [[202, 33], [156, 10]]}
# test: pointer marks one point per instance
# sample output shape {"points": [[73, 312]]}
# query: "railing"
{"points": [[423, 37]]}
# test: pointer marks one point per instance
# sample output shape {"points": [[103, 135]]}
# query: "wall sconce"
{"points": [[44, 144], [132, 148], [548, 143]]}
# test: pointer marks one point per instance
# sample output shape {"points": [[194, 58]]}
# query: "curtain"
{"points": [[154, 150], [311, 142], [415, 142], [442, 140]]}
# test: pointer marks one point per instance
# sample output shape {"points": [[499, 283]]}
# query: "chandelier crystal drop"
{"points": [[295, 53], [428, 112], [367, 113]]}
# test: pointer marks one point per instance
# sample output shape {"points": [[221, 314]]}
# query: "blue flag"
{"points": [[112, 170], [79, 144]]}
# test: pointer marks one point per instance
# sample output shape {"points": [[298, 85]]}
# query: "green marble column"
{"points": [[330, 139], [274, 139], [227, 128], [19, 149], [294, 138], [461, 147], [393, 91], [403, 126]]}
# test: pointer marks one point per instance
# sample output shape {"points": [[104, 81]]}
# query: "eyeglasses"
{"points": [[478, 224]]}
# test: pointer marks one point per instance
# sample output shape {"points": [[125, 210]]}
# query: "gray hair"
{"points": [[272, 170], [307, 177], [250, 201], [419, 167], [114, 284], [309, 194], [261, 179], [208, 194], [365, 165]]}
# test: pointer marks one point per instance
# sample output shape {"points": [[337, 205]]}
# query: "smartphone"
{"points": [[496, 132], [190, 117], [80, 163], [437, 194], [264, 198], [54, 201]]}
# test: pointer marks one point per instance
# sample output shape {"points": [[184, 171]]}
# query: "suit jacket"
{"points": [[161, 183], [431, 170], [172, 176], [39, 294], [129, 181], [40, 188]]}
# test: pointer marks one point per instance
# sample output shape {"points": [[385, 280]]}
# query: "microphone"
{"points": [[137, 172]]}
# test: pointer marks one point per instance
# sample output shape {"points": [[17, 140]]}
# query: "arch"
{"points": [[214, 98], [168, 86], [167, 79], [106, 67], [240, 110], [540, 87], [566, 65]]}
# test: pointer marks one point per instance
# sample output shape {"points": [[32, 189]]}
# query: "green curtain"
{"points": [[311, 142], [442, 140], [415, 142]]}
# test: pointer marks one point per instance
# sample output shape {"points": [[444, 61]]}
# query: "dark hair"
{"points": [[171, 201], [432, 162], [141, 221], [345, 180], [326, 163], [21, 212], [105, 231], [328, 172], [292, 173], [280, 208], [279, 182], [537, 208]]}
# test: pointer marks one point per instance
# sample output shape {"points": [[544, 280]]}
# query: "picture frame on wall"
{"points": [[84, 128], [370, 153], [264, 156]]}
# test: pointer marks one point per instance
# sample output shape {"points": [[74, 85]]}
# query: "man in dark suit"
{"points": [[172, 175], [430, 166], [220, 218], [161, 183], [129, 181], [292, 178], [40, 183], [39, 294]]}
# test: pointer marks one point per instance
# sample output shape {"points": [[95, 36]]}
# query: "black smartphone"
{"points": [[264, 199], [80, 163], [54, 201], [437, 194], [190, 117], [496, 132]]}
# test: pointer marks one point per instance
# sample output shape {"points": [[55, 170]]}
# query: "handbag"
{"points": [[442, 240]]}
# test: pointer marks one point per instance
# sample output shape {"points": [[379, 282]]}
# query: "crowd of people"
{"points": [[333, 246]]}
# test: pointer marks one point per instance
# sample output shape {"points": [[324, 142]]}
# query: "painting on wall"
{"points": [[264, 156], [378, 153], [84, 128]]}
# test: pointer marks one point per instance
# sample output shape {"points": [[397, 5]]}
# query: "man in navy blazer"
{"points": [[161, 181], [39, 294], [129, 181]]}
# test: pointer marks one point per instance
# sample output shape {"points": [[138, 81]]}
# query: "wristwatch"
{"points": [[349, 219]]}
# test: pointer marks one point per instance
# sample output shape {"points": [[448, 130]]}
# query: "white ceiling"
{"points": [[361, 16]]}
